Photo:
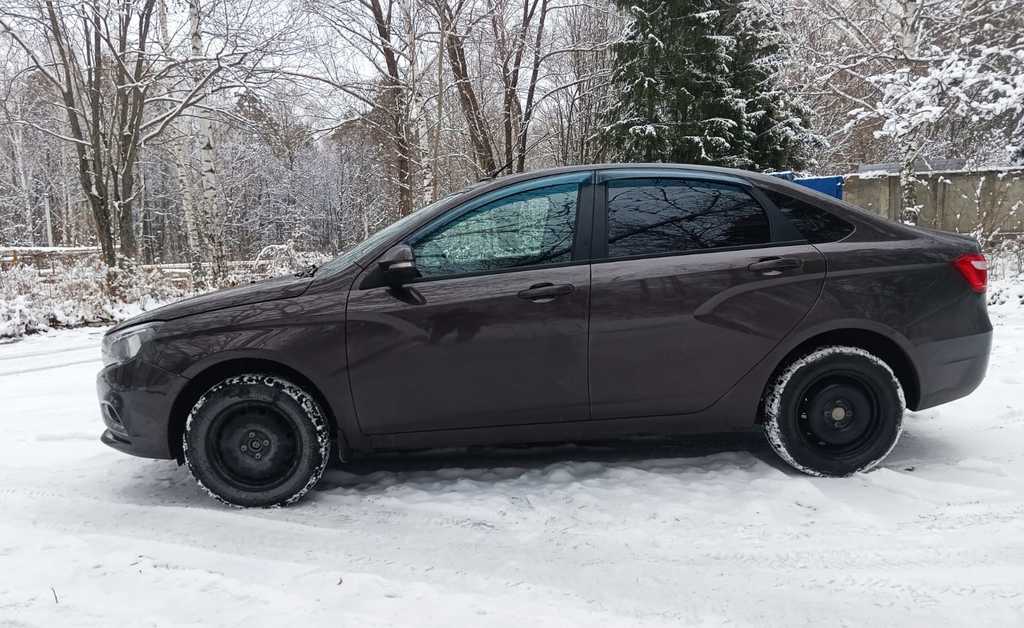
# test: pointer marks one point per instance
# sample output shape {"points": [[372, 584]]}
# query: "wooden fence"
{"points": [[52, 260]]}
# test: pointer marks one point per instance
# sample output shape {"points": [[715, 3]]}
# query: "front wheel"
{"points": [[256, 440], [835, 411]]}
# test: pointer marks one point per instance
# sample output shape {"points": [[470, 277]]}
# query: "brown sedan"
{"points": [[578, 303]]}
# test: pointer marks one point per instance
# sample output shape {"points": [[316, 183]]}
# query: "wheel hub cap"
{"points": [[838, 413], [841, 413], [254, 446]]}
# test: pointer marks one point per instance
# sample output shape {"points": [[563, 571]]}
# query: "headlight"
{"points": [[124, 345]]}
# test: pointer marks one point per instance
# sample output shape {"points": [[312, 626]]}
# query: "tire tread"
{"points": [[772, 404], [282, 386]]}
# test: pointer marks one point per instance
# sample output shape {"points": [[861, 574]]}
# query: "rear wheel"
{"points": [[256, 440], [835, 411]]}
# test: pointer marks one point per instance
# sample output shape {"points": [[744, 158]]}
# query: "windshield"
{"points": [[357, 251]]}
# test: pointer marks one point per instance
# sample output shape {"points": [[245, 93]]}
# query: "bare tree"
{"points": [[117, 90], [386, 34], [449, 15]]}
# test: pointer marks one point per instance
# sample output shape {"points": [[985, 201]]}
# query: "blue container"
{"points": [[833, 186]]}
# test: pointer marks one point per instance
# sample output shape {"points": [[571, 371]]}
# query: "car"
{"points": [[569, 304]]}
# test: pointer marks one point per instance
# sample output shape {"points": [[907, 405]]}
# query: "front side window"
{"points": [[530, 228], [664, 216]]}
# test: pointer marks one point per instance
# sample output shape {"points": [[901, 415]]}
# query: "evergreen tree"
{"points": [[775, 126], [695, 83]]}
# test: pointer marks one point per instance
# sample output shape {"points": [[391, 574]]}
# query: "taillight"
{"points": [[974, 268]]}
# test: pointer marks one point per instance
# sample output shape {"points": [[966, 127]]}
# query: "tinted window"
{"points": [[525, 229], [817, 225], [658, 216]]}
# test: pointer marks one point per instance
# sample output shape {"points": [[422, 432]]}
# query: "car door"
{"points": [[694, 280], [495, 331]]}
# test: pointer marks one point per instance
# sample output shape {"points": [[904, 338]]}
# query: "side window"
{"points": [[525, 229], [817, 225], [659, 216]]}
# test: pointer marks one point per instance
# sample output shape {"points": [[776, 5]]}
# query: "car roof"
{"points": [[740, 176], [743, 177]]}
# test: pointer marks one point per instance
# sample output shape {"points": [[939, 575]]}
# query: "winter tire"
{"points": [[835, 411], [256, 440]]}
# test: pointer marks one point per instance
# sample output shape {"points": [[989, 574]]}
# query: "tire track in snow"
{"points": [[39, 354], [48, 367]]}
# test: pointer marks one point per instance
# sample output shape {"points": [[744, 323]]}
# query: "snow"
{"points": [[703, 532]]}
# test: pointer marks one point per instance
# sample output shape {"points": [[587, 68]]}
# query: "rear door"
{"points": [[495, 332], [694, 281]]}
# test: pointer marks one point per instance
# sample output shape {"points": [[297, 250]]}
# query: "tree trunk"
{"points": [[211, 215], [435, 175], [126, 228], [524, 126], [23, 184], [193, 243], [104, 231], [397, 97], [181, 148], [479, 132], [47, 217], [910, 210]]}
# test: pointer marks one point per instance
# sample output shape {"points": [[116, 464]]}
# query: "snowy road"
{"points": [[705, 534]]}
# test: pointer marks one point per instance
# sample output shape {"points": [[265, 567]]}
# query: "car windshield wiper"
{"points": [[307, 271]]}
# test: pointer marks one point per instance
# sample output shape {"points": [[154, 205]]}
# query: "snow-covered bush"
{"points": [[1006, 294], [1006, 258], [83, 291], [16, 316], [77, 293], [1006, 275], [274, 260], [280, 259]]}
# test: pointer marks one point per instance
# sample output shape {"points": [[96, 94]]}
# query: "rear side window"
{"points": [[817, 225], [664, 216]]}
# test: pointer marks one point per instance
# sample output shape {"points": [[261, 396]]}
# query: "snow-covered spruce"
{"points": [[309, 420], [780, 413]]}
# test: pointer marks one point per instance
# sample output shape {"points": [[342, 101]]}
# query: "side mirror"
{"points": [[398, 265]]}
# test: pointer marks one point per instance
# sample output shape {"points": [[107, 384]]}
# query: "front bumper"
{"points": [[136, 400], [951, 369]]}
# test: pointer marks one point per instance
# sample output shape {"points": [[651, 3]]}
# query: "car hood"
{"points": [[256, 292]]}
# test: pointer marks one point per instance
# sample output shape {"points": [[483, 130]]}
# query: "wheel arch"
{"points": [[876, 342], [214, 373]]}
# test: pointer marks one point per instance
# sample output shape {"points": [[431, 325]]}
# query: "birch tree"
{"points": [[204, 212], [100, 59]]}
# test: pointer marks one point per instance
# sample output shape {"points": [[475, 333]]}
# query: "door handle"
{"points": [[546, 292], [775, 265]]}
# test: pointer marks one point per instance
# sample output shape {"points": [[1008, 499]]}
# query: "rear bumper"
{"points": [[950, 369], [135, 401]]}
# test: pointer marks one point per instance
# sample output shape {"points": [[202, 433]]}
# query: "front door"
{"points": [[694, 285], [495, 331]]}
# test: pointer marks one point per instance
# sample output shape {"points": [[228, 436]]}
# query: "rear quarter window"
{"points": [[817, 225]]}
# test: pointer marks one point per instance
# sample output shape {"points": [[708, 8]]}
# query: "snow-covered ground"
{"points": [[703, 533]]}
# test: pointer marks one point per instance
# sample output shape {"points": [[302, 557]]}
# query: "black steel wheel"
{"points": [[256, 440], [836, 411]]}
